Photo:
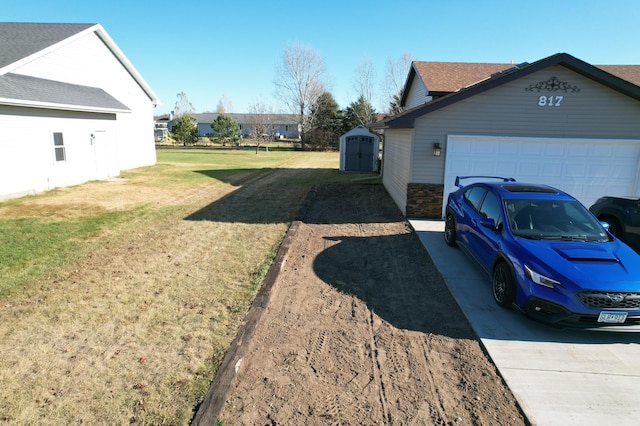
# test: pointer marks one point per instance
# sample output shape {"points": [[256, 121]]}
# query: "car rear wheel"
{"points": [[450, 231], [503, 285]]}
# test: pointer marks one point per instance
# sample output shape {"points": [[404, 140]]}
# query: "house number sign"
{"points": [[552, 85], [552, 101]]}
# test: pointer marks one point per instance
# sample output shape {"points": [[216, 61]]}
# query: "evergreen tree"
{"points": [[360, 112], [325, 123], [226, 129], [185, 130]]}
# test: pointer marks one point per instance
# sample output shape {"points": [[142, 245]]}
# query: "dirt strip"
{"points": [[359, 328]]}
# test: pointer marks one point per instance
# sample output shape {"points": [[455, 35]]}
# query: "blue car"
{"points": [[547, 255]]}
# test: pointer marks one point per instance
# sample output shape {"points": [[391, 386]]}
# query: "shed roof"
{"points": [[406, 118]]}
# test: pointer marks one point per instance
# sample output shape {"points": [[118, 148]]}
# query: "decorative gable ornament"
{"points": [[553, 85]]}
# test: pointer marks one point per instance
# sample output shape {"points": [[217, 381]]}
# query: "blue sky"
{"points": [[214, 49]]}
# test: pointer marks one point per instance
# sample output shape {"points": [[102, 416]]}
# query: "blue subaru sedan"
{"points": [[546, 254]]}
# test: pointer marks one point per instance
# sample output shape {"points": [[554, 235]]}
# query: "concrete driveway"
{"points": [[560, 377]]}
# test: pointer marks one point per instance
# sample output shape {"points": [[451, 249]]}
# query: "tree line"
{"points": [[301, 86]]}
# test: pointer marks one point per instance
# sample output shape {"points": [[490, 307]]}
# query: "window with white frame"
{"points": [[58, 147]]}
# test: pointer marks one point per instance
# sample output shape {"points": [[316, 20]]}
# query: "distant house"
{"points": [[558, 121], [161, 126], [72, 108], [280, 126]]}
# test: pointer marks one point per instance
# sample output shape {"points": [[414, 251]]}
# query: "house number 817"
{"points": [[552, 101]]}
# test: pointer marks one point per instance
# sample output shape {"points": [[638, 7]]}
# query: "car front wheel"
{"points": [[450, 231], [503, 285]]}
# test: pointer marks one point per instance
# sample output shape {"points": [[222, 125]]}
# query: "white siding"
{"points": [[396, 164], [87, 61], [27, 163]]}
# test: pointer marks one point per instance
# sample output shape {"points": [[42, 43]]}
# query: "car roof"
{"points": [[524, 190]]}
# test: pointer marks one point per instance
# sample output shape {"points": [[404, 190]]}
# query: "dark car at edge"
{"points": [[623, 216]]}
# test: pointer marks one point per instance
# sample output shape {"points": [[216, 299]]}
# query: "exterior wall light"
{"points": [[436, 149]]}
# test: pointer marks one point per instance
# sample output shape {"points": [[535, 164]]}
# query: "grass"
{"points": [[120, 297]]}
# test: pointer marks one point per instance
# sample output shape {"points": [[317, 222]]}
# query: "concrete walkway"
{"points": [[559, 377]]}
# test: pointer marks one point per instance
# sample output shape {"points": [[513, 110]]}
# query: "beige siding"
{"points": [[417, 94], [595, 112], [397, 162]]}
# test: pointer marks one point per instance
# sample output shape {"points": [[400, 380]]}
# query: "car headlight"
{"points": [[540, 279]]}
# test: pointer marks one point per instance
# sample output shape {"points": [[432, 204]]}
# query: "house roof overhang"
{"points": [[407, 118], [32, 92]]}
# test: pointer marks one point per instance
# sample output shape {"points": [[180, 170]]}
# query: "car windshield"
{"points": [[553, 219]]}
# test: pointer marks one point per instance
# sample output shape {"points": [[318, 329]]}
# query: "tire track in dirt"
{"points": [[361, 329]]}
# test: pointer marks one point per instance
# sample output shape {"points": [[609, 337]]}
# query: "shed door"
{"points": [[585, 168], [358, 153]]}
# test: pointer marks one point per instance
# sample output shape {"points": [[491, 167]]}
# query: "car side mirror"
{"points": [[489, 223], [605, 225]]}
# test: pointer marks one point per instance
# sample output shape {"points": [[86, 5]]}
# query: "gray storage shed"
{"points": [[359, 150]]}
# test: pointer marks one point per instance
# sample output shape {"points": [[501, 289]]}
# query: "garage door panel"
{"points": [[508, 167], [527, 169], [553, 170], [587, 169], [532, 149]]}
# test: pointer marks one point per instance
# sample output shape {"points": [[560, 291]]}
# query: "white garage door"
{"points": [[585, 168]]}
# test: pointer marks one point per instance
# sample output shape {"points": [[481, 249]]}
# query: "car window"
{"points": [[474, 195], [553, 219], [491, 208]]}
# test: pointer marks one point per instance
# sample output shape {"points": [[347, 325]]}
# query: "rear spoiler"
{"points": [[459, 178]]}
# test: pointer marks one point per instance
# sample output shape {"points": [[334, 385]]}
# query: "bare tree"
{"points": [[182, 105], [260, 118], [225, 105], [300, 81], [364, 85], [395, 77]]}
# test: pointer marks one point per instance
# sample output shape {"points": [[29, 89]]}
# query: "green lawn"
{"points": [[121, 296]]}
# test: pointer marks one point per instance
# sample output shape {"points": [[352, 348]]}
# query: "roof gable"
{"points": [[21, 42], [598, 74], [447, 77], [441, 78]]}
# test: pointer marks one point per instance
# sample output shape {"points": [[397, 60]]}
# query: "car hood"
{"points": [[603, 265]]}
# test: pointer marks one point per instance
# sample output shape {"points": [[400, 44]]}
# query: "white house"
{"points": [[72, 108], [558, 121]]}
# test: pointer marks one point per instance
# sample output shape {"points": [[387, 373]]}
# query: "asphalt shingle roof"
{"points": [[19, 39], [450, 77], [38, 90], [617, 77]]}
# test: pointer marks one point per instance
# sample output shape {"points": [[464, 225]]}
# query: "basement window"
{"points": [[58, 147]]}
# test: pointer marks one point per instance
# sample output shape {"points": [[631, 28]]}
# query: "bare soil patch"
{"points": [[361, 329]]}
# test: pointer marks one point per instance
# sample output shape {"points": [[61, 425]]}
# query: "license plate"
{"points": [[612, 317]]}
